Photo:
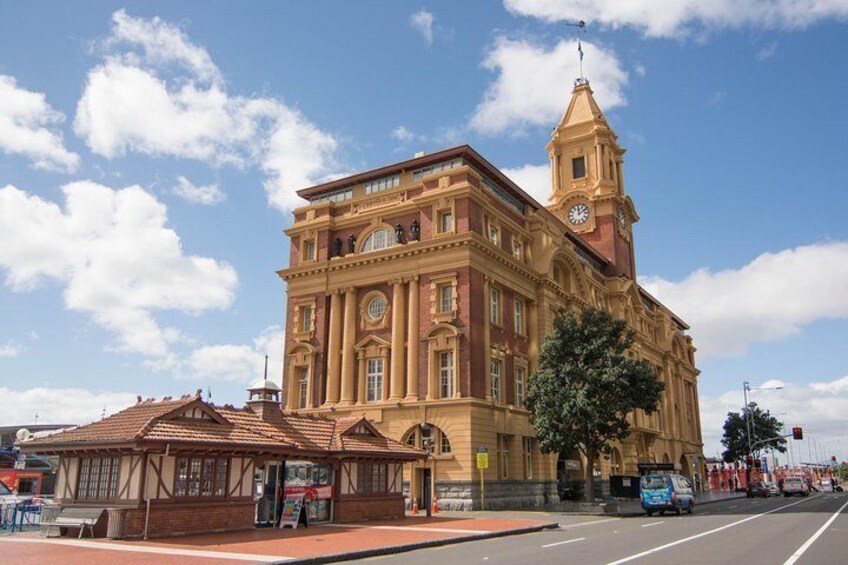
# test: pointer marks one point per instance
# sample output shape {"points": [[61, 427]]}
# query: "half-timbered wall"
{"points": [[160, 476], [241, 477], [129, 477]]}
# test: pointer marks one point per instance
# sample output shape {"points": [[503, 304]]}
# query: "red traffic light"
{"points": [[797, 433]]}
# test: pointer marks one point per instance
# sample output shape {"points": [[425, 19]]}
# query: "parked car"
{"points": [[757, 489], [795, 485], [826, 484], [774, 490], [666, 492]]}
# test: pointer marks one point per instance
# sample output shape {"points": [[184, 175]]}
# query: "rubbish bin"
{"points": [[115, 524]]}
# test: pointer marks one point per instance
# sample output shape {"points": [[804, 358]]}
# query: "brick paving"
{"points": [[261, 546]]}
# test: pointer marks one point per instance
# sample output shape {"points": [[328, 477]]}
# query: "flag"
{"points": [[580, 50]]}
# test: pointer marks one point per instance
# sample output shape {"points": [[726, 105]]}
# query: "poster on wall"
{"points": [[292, 508]]}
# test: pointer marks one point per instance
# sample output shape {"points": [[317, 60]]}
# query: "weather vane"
{"points": [[582, 25]]}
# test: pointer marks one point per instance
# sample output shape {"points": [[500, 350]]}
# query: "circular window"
{"points": [[376, 307]]}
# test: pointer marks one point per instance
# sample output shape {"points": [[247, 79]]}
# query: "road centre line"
{"points": [[564, 542], [709, 532], [106, 546], [797, 555], [653, 524], [569, 526]]}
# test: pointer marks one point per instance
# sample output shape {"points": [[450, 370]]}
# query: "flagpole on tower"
{"points": [[582, 25]]}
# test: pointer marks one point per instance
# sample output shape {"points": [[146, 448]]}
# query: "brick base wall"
{"points": [[190, 518], [372, 508]]}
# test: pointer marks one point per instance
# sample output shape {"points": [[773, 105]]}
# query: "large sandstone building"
{"points": [[419, 295]]}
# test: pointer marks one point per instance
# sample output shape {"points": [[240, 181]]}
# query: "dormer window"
{"points": [[578, 167], [378, 239]]}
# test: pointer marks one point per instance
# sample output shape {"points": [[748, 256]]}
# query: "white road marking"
{"points": [[569, 526], [106, 546], [702, 534], [795, 556], [564, 542], [653, 524]]}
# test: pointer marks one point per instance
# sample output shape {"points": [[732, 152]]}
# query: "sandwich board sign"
{"points": [[292, 508]]}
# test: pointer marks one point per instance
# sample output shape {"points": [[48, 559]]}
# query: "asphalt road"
{"points": [[770, 531]]}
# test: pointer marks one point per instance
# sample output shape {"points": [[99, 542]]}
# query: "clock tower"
{"points": [[588, 183]]}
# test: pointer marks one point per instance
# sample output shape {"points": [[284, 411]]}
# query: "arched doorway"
{"points": [[685, 470]]}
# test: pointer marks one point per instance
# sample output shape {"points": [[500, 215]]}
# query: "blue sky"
{"points": [[215, 112]]}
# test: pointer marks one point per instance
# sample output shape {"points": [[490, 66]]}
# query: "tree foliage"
{"points": [[586, 385], [735, 438]]}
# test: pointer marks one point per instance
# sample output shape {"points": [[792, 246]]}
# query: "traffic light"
{"points": [[797, 433]]}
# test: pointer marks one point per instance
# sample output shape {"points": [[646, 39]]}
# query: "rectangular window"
{"points": [[446, 387], [419, 174], [98, 478], [445, 446], [445, 221], [309, 250], [518, 319], [578, 167], [520, 386], [338, 196], [382, 184], [302, 387], [517, 248], [200, 476], [446, 298], [374, 380], [495, 375], [306, 318], [528, 458], [372, 478], [495, 306], [503, 455], [494, 234]]}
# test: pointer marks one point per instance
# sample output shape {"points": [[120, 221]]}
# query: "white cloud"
{"points": [[208, 195], [136, 102], [533, 85], [241, 363], [682, 17], [11, 349], [767, 51], [422, 21], [28, 127], [59, 405], [116, 258], [821, 408], [534, 179], [767, 300], [402, 134], [717, 97]]}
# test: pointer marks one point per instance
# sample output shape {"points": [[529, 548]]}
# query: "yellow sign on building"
{"points": [[482, 458]]}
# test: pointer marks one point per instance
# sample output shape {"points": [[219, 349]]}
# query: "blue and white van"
{"points": [[663, 492]]}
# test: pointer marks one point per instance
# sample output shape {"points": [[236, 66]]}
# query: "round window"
{"points": [[376, 307]]}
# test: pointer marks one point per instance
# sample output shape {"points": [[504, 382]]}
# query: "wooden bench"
{"points": [[71, 517]]}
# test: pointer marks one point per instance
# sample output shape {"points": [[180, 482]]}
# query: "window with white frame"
{"points": [[382, 184], [495, 372], [98, 478], [309, 250], [446, 297], [518, 318], [376, 307], [338, 196], [374, 380], [306, 318], [378, 239], [302, 387], [517, 248], [446, 384], [444, 443], [528, 457], [495, 305], [494, 233], [520, 386], [445, 221], [419, 174]]}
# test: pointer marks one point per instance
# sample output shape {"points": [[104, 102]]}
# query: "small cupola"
{"points": [[264, 399]]}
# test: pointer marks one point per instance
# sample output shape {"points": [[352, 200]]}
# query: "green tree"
{"points": [[735, 438], [586, 385]]}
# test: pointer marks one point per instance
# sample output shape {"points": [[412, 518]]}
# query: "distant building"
{"points": [[419, 294]]}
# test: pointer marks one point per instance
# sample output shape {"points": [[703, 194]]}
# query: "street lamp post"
{"points": [[750, 426]]}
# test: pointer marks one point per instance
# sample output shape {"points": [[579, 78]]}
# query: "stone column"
{"points": [[533, 331], [334, 349], [348, 342], [398, 323], [413, 342], [487, 337], [599, 162], [360, 385]]}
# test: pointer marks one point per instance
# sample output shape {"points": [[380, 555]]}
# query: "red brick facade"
{"points": [[352, 509]]}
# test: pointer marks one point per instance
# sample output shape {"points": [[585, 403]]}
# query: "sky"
{"points": [[149, 154]]}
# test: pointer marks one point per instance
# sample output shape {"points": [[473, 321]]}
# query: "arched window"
{"points": [[378, 239], [430, 438]]}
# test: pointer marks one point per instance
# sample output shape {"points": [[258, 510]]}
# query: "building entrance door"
{"points": [[426, 489], [270, 504]]}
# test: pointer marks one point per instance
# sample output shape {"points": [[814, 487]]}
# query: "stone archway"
{"points": [[685, 469]]}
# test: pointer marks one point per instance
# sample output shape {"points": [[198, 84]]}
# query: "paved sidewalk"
{"points": [[316, 544]]}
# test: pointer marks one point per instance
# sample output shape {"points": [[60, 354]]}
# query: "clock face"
{"points": [[622, 220], [578, 214]]}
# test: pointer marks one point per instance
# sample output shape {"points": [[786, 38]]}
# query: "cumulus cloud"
{"points": [[769, 299], [29, 127], [534, 179], [116, 258], [402, 134], [60, 405], [208, 195], [820, 407], [240, 363], [533, 83], [159, 94], [682, 17], [422, 21], [767, 51]]}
